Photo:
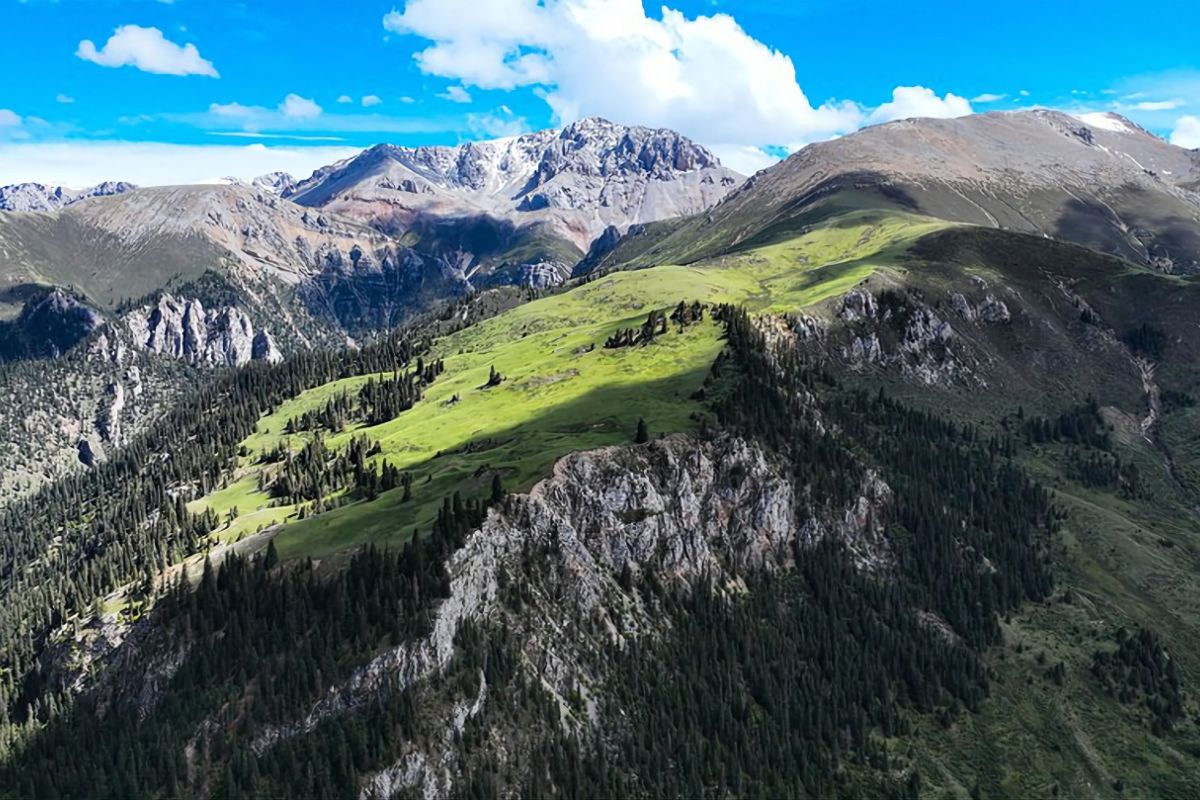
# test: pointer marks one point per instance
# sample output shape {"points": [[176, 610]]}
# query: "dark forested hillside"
{"points": [[811, 495], [962, 541]]}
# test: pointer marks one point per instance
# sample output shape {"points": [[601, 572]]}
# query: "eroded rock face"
{"points": [[858, 304], [904, 332], [184, 329], [692, 513], [990, 309]]}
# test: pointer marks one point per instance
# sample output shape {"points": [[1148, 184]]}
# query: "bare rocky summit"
{"points": [[591, 174], [38, 197]]}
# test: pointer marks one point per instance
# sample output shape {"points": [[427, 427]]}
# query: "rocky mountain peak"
{"points": [[274, 182], [39, 197], [578, 181]]}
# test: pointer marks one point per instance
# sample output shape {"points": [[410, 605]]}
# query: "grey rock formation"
{"points": [[913, 338], [38, 197], [858, 304], [689, 512], [590, 175], [184, 329], [274, 182]]}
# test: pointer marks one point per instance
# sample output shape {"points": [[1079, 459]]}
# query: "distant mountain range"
{"points": [[365, 242], [39, 197]]}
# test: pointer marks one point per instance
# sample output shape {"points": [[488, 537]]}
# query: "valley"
{"points": [[837, 436]]}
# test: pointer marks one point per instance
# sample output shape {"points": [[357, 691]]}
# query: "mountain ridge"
{"points": [[581, 179], [1114, 187], [40, 197]]}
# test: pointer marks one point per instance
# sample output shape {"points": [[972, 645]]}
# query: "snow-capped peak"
{"points": [[1108, 121]]}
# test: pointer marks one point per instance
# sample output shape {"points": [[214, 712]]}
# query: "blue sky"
{"points": [[188, 90]]}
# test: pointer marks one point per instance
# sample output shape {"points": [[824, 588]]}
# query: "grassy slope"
{"points": [[1117, 563], [557, 396], [1126, 563]]}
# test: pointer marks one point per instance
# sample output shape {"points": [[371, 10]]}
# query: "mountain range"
{"points": [[574, 463]]}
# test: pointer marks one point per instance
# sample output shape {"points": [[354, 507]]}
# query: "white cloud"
{"points": [[704, 76], [406, 99], [1158, 105], [1186, 132], [988, 97], [153, 163], [1024, 93], [293, 137], [371, 100], [345, 98], [918, 101], [497, 124], [63, 98], [744, 158], [148, 50], [9, 119], [296, 107], [236, 110], [293, 110], [456, 94]]}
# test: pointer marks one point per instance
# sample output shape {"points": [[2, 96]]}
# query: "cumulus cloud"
{"points": [[1186, 132], [9, 118], [292, 110], [148, 50], [79, 163], [296, 107], [456, 94], [371, 100], [345, 98], [704, 76], [918, 101], [495, 124]]}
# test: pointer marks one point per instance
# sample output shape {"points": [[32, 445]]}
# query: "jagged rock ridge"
{"points": [[38, 197], [579, 180]]}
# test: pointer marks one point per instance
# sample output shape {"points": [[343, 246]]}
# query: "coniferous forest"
{"points": [[721, 702]]}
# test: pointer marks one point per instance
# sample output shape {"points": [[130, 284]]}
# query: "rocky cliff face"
{"points": [[185, 330], [81, 406], [683, 513]]}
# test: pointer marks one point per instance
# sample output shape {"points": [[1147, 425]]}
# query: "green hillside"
{"points": [[562, 390]]}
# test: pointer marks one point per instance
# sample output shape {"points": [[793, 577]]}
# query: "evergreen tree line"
{"points": [[957, 496], [1092, 459], [261, 643], [83, 536], [1140, 671]]}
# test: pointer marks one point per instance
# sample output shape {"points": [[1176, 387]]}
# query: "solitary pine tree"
{"points": [[642, 436]]}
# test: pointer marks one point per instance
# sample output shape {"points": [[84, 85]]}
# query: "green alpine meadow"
{"points": [[578, 410]]}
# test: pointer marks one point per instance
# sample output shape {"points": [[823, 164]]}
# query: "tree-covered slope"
{"points": [[920, 525]]}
